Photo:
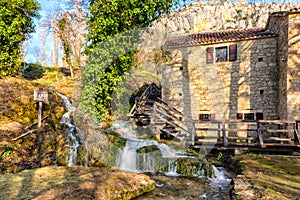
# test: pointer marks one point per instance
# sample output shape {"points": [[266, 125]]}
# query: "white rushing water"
{"points": [[127, 160], [74, 133], [220, 179]]}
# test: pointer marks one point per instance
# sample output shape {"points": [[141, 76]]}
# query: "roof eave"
{"points": [[217, 42]]}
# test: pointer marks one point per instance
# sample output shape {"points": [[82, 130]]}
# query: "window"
{"points": [[249, 116], [221, 54], [225, 53], [206, 117]]}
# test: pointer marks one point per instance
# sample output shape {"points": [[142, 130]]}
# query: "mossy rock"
{"points": [[148, 149], [116, 139], [193, 166]]}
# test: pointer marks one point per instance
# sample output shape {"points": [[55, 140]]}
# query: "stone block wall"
{"points": [[293, 67], [287, 26], [224, 89]]}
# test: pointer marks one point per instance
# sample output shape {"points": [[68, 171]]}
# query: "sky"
{"points": [[35, 41], [47, 6]]}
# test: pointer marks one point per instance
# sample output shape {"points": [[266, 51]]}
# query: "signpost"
{"points": [[40, 96]]}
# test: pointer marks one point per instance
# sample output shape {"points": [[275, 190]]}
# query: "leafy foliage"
{"points": [[114, 28], [16, 23]]}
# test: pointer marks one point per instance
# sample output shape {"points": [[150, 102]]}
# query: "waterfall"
{"points": [[128, 158], [160, 157], [220, 180], [75, 135]]}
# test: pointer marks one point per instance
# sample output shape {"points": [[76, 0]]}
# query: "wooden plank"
{"points": [[173, 124], [241, 129], [280, 122], [278, 139], [162, 112], [280, 131], [208, 129], [240, 138], [206, 137], [281, 145]]}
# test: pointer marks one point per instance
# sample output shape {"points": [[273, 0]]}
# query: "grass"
{"points": [[277, 176], [68, 182]]}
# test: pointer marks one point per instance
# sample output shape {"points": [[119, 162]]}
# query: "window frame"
{"points": [[206, 116], [255, 115], [221, 54], [231, 53]]}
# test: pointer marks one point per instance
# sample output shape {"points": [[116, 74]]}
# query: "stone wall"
{"points": [[247, 85], [203, 16], [278, 23], [287, 26], [293, 67], [218, 15]]}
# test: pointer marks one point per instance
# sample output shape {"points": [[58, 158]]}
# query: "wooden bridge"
{"points": [[169, 123]]}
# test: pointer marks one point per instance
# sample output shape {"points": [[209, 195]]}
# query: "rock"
{"points": [[243, 189]]}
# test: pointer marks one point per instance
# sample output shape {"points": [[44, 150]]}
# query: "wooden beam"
{"points": [[280, 130], [23, 135]]}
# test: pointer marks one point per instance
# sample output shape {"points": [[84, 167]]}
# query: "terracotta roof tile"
{"points": [[213, 37]]}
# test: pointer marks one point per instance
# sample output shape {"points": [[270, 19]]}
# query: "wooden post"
{"points": [[40, 113], [219, 131], [40, 96], [224, 134], [193, 132]]}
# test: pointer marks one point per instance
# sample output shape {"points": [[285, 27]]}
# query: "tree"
{"points": [[113, 36], [69, 26], [16, 23]]}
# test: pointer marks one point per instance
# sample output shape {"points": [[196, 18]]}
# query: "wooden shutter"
{"points": [[232, 52], [239, 115], [212, 116], [259, 116], [209, 55], [201, 116]]}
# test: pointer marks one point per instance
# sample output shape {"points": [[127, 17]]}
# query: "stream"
{"points": [[162, 165], [75, 136], [178, 175]]}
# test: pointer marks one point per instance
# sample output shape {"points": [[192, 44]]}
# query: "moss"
{"points": [[276, 175], [148, 149], [116, 139]]}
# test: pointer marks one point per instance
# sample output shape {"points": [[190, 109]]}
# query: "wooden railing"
{"points": [[140, 102], [162, 112], [226, 133], [262, 133]]}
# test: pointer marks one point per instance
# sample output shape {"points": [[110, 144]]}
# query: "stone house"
{"points": [[248, 74]]}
